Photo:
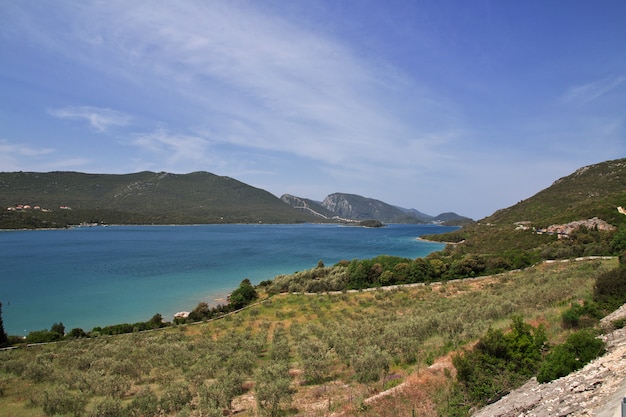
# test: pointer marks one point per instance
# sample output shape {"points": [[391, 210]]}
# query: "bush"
{"points": [[370, 365], [42, 336], [610, 289], [59, 399], [500, 361], [106, 407], [243, 295], [145, 403], [272, 386], [579, 349], [578, 316]]}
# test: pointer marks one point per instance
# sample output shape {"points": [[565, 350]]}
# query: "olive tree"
{"points": [[315, 358], [273, 387]]}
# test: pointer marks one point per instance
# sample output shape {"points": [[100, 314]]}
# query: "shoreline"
{"points": [[438, 241]]}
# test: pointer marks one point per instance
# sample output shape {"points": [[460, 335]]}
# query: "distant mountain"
{"points": [[308, 206], [591, 191], [143, 197], [451, 218], [352, 207], [418, 214], [355, 207]]}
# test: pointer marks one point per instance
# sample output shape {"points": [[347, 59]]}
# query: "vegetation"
{"points": [[139, 198], [594, 190], [288, 351], [323, 340], [4, 338], [371, 223], [580, 348], [500, 361]]}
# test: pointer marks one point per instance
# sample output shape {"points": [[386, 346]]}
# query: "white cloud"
{"points": [[7, 148], [180, 152], [255, 80], [583, 94], [100, 119], [21, 157]]}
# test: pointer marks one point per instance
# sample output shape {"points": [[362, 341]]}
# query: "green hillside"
{"points": [[513, 238], [139, 198], [591, 191]]}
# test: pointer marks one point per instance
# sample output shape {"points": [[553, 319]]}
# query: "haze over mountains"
{"points": [[163, 198]]}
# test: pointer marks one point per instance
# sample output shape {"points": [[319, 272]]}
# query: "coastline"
{"points": [[438, 241]]}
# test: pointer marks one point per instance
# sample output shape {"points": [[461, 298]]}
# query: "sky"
{"points": [[463, 106]]}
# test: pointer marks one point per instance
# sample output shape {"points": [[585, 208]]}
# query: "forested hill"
{"points": [[591, 191], [30, 199]]}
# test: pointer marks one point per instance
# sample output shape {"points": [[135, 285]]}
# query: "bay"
{"points": [[96, 276]]}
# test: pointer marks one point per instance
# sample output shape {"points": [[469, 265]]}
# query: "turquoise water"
{"points": [[98, 276]]}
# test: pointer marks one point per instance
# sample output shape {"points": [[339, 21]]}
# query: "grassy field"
{"points": [[300, 354]]}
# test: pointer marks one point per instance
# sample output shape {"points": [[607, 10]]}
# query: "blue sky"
{"points": [[433, 105]]}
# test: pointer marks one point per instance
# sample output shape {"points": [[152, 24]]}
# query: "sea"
{"points": [[85, 277]]}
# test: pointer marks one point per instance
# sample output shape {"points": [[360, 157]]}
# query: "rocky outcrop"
{"points": [[591, 224], [306, 205], [355, 207], [596, 390]]}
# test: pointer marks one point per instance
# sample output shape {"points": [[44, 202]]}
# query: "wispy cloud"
{"points": [[8, 148], [20, 157], [100, 119], [583, 94], [177, 150], [257, 81]]}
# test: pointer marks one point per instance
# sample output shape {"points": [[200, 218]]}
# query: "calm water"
{"points": [[87, 277]]}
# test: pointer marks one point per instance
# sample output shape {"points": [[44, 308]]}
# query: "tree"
{"points": [[58, 328], [315, 359], [77, 333], [106, 407], [4, 338], [156, 321], [58, 399], [370, 365], [273, 387], [243, 295], [201, 312]]}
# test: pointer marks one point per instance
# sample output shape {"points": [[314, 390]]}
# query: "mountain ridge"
{"points": [[145, 197], [590, 191], [62, 198], [353, 207]]}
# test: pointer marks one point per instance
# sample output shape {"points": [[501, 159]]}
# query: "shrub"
{"points": [[59, 399], [370, 365], [610, 289], [43, 336], [272, 386], [500, 361], [578, 316], [145, 403], [580, 348], [106, 407]]}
